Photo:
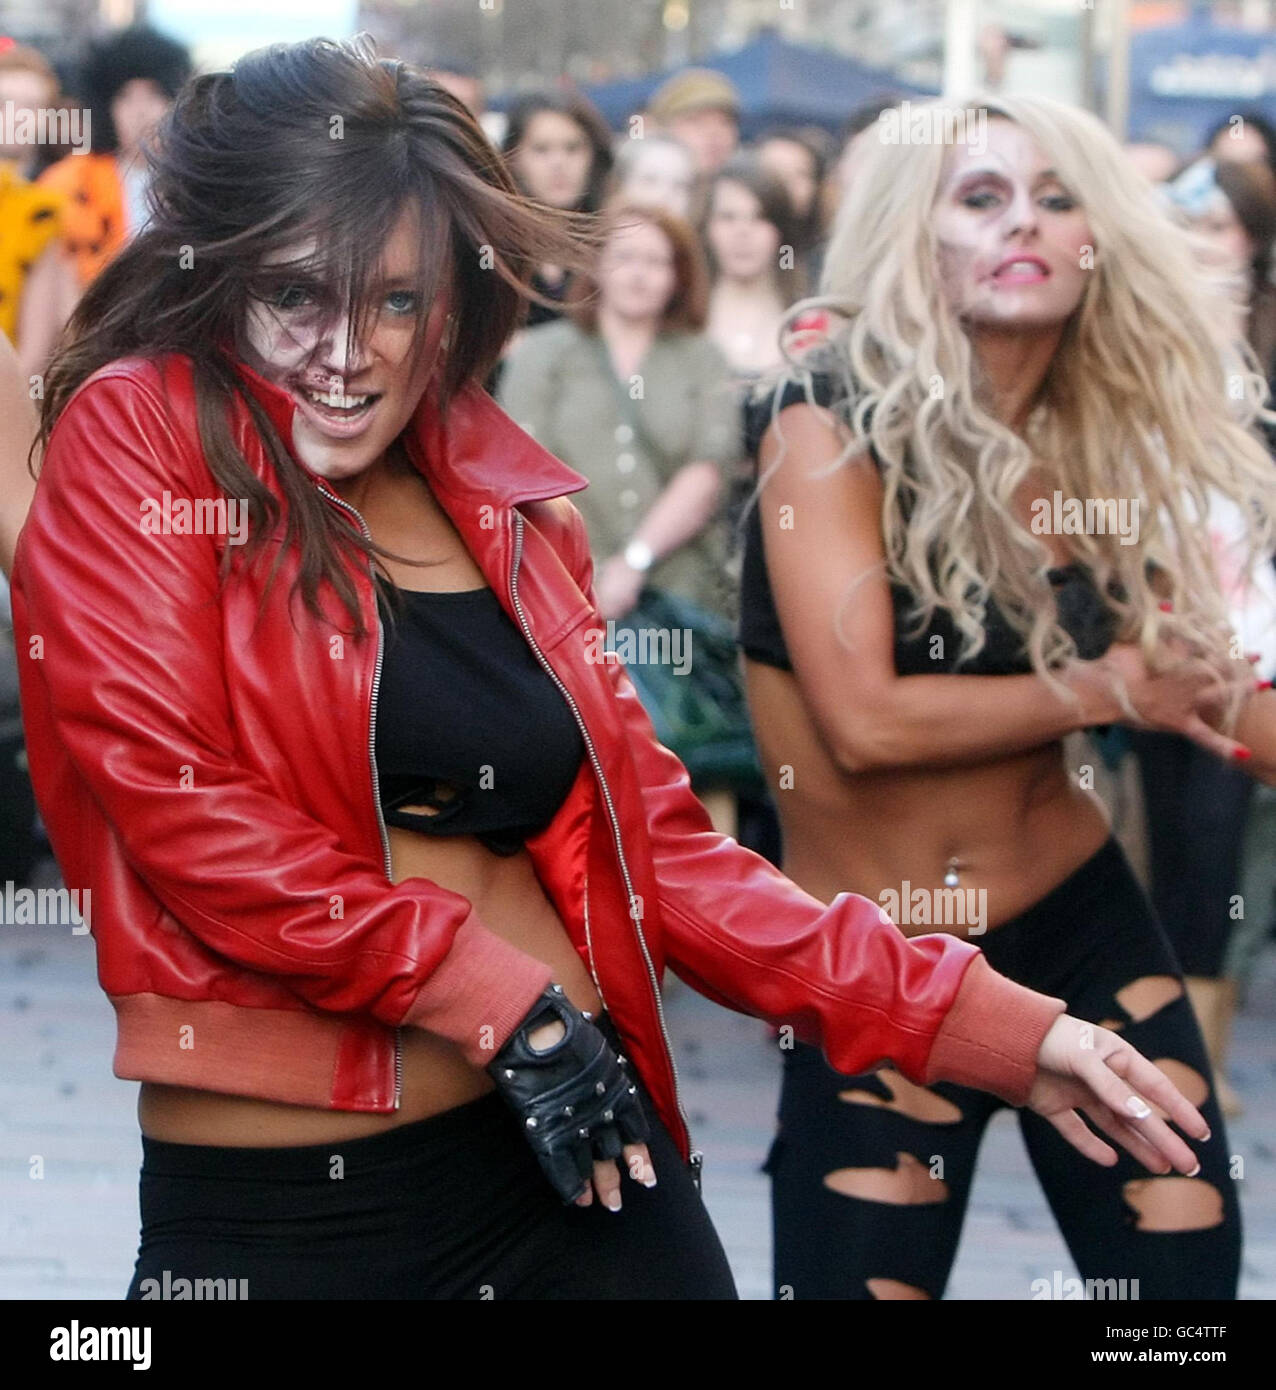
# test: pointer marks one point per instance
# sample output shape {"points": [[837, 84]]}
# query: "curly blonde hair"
{"points": [[1148, 397]]}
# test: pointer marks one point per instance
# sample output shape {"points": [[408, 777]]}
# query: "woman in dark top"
{"points": [[558, 148], [921, 626]]}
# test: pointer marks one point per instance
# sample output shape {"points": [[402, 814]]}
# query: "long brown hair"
{"points": [[325, 142]]}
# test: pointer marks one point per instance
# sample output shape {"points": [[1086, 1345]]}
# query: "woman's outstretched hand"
{"points": [[1085, 1068]]}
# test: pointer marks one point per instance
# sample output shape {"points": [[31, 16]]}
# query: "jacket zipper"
{"points": [[589, 943], [696, 1157], [372, 764]]}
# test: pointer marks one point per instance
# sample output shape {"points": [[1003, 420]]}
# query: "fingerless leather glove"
{"points": [[574, 1099]]}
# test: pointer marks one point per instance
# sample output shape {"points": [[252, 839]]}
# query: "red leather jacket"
{"points": [[208, 776]]}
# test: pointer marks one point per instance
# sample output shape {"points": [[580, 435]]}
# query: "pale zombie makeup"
{"points": [[353, 397], [1012, 238]]}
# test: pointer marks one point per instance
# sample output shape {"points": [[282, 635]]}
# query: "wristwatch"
{"points": [[638, 555]]}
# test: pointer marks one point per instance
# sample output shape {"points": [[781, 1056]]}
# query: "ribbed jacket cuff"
{"points": [[991, 1035], [481, 992]]}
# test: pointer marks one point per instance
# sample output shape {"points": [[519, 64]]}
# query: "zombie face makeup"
{"points": [[1012, 239], [354, 392]]}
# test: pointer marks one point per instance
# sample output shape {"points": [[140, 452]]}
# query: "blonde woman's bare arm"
{"points": [[827, 568]]}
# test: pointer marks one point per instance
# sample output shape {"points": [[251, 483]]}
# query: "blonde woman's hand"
{"points": [[1186, 698], [1082, 1067]]}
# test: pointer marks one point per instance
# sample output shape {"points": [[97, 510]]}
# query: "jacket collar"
{"points": [[480, 455]]}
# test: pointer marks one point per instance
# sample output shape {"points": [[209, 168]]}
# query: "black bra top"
{"points": [[469, 724], [1083, 614]]}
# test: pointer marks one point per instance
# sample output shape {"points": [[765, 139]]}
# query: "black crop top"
{"points": [[1082, 612], [470, 724]]}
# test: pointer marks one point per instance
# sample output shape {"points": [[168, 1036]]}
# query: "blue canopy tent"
{"points": [[780, 83], [1188, 77]]}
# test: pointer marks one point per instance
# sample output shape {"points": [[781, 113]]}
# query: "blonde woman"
{"points": [[1018, 330]]}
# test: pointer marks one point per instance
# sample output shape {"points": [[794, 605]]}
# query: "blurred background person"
{"points": [[1196, 807], [1156, 161], [655, 170], [558, 148], [628, 390], [19, 845], [800, 159], [463, 80], [129, 81], [639, 330], [37, 282], [700, 109], [1247, 135], [751, 233]]}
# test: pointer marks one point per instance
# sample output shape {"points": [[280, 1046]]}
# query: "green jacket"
{"points": [[556, 387]]}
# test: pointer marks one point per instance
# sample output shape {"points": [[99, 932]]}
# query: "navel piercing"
{"points": [[950, 875]]}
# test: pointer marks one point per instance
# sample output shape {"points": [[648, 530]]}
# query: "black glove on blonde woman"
{"points": [[574, 1098]]}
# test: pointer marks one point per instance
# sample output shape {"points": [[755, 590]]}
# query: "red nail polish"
{"points": [[1240, 753], [1262, 685], [1166, 606]]}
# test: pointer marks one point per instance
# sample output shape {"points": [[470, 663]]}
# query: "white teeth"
{"points": [[1029, 266], [336, 401]]}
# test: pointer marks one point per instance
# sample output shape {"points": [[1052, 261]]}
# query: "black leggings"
{"points": [[453, 1206], [1196, 806], [1085, 942]]}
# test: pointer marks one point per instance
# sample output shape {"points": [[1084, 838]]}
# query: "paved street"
{"points": [[72, 1233]]}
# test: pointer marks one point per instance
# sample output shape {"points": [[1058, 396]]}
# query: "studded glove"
{"points": [[574, 1099]]}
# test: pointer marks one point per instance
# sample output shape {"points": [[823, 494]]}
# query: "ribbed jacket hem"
{"points": [[991, 1035], [297, 1057]]}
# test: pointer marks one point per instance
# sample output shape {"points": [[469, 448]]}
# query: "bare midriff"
{"points": [[1014, 827], [508, 899]]}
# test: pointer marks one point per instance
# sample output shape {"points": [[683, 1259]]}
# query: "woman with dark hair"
{"points": [[559, 150], [800, 159], [1247, 135], [751, 233], [128, 83], [385, 863]]}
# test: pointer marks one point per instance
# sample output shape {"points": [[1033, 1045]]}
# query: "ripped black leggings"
{"points": [[870, 1175]]}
